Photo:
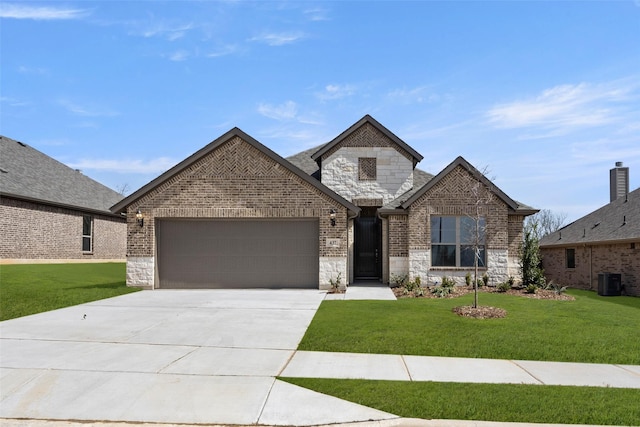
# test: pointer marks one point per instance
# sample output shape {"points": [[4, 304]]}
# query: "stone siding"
{"points": [[40, 232], [623, 258], [394, 174], [236, 180]]}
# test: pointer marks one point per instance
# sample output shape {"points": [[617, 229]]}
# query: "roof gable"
{"points": [[366, 120], [476, 174], [193, 160], [617, 221], [29, 174]]}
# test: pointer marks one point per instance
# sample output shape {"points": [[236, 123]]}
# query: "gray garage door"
{"points": [[237, 253]]}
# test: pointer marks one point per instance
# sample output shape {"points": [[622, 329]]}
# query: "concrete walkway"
{"points": [[211, 357]]}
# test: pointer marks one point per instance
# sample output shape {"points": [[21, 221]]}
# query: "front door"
{"points": [[368, 245]]}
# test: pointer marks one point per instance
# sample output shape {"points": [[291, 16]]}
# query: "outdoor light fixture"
{"points": [[139, 218], [332, 217]]}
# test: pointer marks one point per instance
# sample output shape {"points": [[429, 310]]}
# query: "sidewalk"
{"points": [[165, 358]]}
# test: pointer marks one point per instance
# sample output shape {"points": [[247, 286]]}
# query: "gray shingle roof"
{"points": [[615, 222], [27, 173]]}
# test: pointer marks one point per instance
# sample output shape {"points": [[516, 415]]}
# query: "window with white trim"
{"points": [[87, 233], [453, 241]]}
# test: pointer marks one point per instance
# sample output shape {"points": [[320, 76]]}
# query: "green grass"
{"points": [[488, 402], [590, 329], [34, 288]]}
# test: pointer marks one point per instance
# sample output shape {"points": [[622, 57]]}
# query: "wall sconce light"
{"points": [[139, 218], [332, 217]]}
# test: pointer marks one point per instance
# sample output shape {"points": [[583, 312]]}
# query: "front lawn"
{"points": [[490, 402], [590, 329], [34, 288]]}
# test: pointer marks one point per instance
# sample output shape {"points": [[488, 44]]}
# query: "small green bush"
{"points": [[531, 288], [447, 282], [467, 279], [441, 291], [485, 279], [511, 281], [399, 280], [503, 287]]}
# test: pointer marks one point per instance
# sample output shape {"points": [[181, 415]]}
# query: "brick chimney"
{"points": [[618, 181]]}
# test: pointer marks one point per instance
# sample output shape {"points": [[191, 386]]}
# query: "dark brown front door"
{"points": [[368, 253]]}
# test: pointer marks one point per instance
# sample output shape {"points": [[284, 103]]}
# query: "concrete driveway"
{"points": [[189, 357]]}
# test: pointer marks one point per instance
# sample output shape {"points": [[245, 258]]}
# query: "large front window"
{"points": [[454, 240]]}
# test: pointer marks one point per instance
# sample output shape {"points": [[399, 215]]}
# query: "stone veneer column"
{"points": [[398, 266], [419, 264], [330, 267], [141, 272], [497, 266]]}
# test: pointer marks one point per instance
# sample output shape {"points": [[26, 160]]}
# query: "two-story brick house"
{"points": [[235, 214]]}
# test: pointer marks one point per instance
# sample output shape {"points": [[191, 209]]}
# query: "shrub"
{"points": [[503, 287], [399, 280], [441, 291], [511, 281], [531, 288], [485, 279], [558, 289], [447, 282], [335, 284], [467, 279], [480, 283]]}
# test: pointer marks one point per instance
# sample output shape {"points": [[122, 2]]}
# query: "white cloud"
{"points": [[278, 39], [81, 110], [179, 55], [152, 166], [222, 51], [285, 111], [170, 32], [336, 91], [13, 102], [562, 108], [32, 70], [318, 14], [40, 13]]}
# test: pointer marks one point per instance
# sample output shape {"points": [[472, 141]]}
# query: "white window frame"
{"points": [[87, 237]]}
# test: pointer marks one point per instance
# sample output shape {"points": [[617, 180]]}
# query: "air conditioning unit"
{"points": [[609, 284]]}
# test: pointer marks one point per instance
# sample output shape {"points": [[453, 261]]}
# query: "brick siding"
{"points": [[453, 195], [592, 260], [32, 231], [236, 180]]}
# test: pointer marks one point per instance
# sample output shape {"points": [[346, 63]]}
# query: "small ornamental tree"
{"points": [[530, 258]]}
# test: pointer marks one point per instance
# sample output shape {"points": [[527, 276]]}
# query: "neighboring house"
{"points": [[605, 241], [235, 214], [51, 213]]}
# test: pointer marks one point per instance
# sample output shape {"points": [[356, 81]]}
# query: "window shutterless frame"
{"points": [[87, 233], [453, 241]]}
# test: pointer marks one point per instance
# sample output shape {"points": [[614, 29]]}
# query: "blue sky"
{"points": [[544, 94]]}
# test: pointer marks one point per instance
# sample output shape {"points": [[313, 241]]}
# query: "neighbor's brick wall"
{"points": [[36, 231], [235, 181], [592, 260]]}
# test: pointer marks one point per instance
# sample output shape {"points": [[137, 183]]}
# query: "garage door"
{"points": [[196, 254]]}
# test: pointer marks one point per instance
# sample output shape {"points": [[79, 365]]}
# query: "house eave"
{"points": [[60, 205], [576, 243]]}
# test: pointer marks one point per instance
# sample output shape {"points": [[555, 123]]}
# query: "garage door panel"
{"points": [[237, 253]]}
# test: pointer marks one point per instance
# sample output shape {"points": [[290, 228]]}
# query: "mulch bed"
{"points": [[481, 312]]}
